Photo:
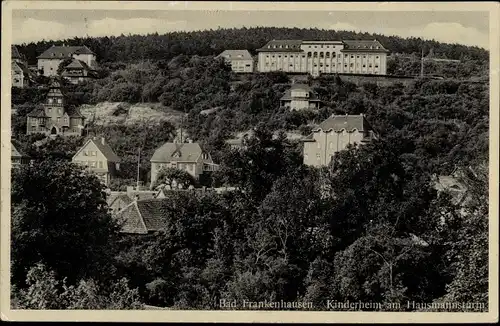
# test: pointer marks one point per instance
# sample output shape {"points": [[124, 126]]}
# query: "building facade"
{"points": [[49, 61], [323, 57], [240, 60], [53, 118], [78, 71], [300, 97], [334, 135], [98, 158], [20, 73], [189, 157], [18, 158]]}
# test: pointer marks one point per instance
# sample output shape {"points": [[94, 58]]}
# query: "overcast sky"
{"points": [[469, 28]]}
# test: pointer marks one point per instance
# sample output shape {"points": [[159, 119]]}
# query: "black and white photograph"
{"points": [[282, 162]]}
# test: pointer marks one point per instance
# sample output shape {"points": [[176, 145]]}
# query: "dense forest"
{"points": [[132, 48], [369, 227]]}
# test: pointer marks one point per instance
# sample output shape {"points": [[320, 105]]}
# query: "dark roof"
{"points": [[236, 55], [288, 93], [77, 64], [282, 46], [144, 216], [106, 150], [38, 112], [188, 152], [123, 197], [15, 153], [63, 52], [344, 122], [15, 53], [73, 112], [55, 90], [22, 67], [363, 46], [129, 197]]}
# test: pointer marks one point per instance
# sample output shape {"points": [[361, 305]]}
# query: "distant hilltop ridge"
{"points": [[130, 48]]}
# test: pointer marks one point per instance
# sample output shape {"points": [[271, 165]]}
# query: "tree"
{"points": [[467, 243], [63, 222], [171, 176], [45, 291], [265, 158]]}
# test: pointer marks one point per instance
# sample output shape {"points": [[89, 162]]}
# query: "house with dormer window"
{"points": [[53, 117], [189, 157]]}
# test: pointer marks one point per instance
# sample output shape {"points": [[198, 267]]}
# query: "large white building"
{"points": [[317, 57], [48, 61]]}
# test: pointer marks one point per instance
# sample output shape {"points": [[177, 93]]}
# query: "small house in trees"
{"points": [[240, 60], [334, 135], [78, 71], [49, 61], [21, 75], [189, 157], [98, 158], [143, 216], [53, 118], [18, 158], [300, 97], [118, 200]]}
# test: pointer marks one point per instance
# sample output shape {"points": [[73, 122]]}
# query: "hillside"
{"points": [[108, 113]]}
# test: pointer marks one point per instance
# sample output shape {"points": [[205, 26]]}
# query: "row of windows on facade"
{"points": [[315, 46], [321, 55], [51, 100], [181, 166], [91, 164], [41, 121], [351, 65]]}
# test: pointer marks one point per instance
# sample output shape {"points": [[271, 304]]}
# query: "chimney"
{"points": [[103, 141], [130, 191]]}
